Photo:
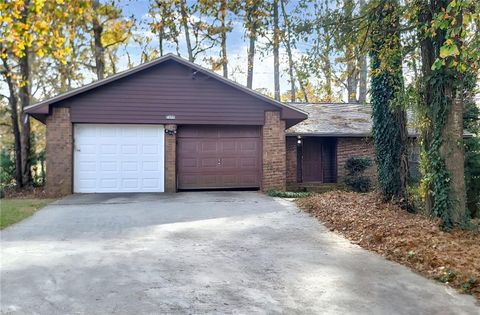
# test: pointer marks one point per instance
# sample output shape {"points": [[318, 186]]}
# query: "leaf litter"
{"points": [[413, 240]]}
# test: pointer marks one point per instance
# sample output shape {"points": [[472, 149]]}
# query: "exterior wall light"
{"points": [[299, 140], [170, 132]]}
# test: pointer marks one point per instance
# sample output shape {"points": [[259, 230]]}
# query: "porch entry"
{"points": [[319, 160]]}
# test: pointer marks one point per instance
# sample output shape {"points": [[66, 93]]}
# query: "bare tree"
{"points": [[287, 39], [276, 57]]}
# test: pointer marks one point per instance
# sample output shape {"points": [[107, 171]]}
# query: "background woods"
{"points": [[414, 56]]}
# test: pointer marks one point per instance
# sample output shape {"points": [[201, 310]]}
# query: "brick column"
{"points": [[274, 152], [59, 150], [170, 159]]}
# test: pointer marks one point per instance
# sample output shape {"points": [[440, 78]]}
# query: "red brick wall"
{"points": [[274, 152], [170, 160], [358, 147], [59, 150], [291, 161]]}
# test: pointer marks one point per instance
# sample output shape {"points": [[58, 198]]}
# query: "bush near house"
{"points": [[356, 180]]}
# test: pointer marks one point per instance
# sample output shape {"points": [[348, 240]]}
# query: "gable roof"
{"points": [[338, 120], [43, 107]]}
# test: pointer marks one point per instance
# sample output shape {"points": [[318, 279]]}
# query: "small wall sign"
{"points": [[171, 117]]}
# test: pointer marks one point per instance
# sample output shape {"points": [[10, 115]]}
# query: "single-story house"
{"points": [[166, 125], [171, 125]]}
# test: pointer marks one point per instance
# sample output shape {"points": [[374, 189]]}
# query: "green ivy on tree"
{"points": [[389, 118], [450, 48]]}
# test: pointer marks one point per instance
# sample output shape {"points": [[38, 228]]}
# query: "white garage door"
{"points": [[118, 158]]}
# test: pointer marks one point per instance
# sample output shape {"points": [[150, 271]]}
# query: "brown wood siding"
{"points": [[167, 89]]}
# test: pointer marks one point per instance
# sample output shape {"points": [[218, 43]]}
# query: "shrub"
{"points": [[355, 180], [289, 194], [7, 168], [361, 184], [356, 165]]}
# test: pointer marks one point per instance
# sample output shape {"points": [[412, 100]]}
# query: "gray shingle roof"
{"points": [[336, 120]]}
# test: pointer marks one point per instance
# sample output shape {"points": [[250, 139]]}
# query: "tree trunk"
{"points": [[403, 156], [287, 41], [302, 85], [251, 58], [351, 78], [183, 12], [24, 97], [251, 26], [427, 53], [442, 100], [13, 102], [388, 116], [453, 153], [452, 148], [352, 81], [113, 62], [99, 50], [362, 91], [327, 65], [161, 31], [223, 35], [160, 41], [276, 57]]}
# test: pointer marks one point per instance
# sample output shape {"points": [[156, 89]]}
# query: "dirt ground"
{"points": [[413, 240], [25, 193]]}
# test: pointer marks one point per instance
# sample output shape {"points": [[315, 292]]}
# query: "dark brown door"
{"points": [[218, 157], [312, 170]]}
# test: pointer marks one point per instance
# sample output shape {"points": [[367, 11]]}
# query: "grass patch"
{"points": [[15, 210], [289, 194]]}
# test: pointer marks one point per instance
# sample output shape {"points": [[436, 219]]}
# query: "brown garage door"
{"points": [[218, 157]]}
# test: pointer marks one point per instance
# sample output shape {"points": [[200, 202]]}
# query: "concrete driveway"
{"points": [[207, 252]]}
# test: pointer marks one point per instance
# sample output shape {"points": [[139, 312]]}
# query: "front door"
{"points": [[312, 170]]}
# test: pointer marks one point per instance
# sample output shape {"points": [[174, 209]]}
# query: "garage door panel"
{"points": [[130, 183], [119, 158], [249, 163], [218, 157], [128, 149]]}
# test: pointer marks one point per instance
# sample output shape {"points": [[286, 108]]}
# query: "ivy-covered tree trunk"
{"points": [[388, 113], [442, 102]]}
